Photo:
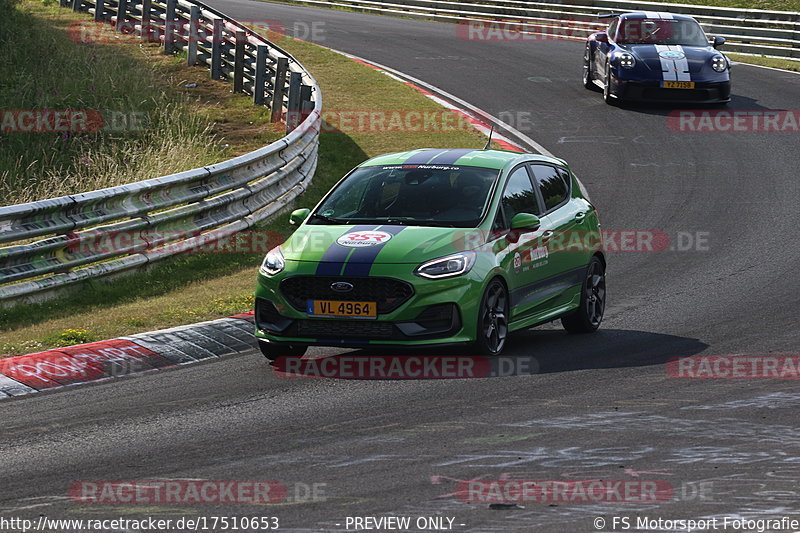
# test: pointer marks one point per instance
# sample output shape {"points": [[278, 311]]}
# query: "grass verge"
{"points": [[785, 64], [177, 291], [158, 115]]}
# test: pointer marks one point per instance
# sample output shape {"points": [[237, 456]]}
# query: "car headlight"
{"points": [[719, 63], [626, 60], [273, 262], [447, 267]]}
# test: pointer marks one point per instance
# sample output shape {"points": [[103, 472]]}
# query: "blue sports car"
{"points": [[657, 57]]}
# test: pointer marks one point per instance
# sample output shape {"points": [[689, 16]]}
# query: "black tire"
{"points": [[587, 69], [589, 315], [492, 327], [610, 100], [273, 351]]}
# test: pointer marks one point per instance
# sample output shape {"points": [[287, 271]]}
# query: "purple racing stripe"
{"points": [[450, 156], [423, 157], [361, 260], [334, 257]]}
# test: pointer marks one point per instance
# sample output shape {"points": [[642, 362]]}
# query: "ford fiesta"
{"points": [[435, 247], [658, 57]]}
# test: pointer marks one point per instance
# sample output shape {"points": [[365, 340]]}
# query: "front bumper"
{"points": [[440, 323], [436, 312], [651, 91]]}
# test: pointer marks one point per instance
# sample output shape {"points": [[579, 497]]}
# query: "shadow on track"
{"points": [[527, 353]]}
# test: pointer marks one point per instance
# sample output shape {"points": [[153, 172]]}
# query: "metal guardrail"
{"points": [[748, 31], [51, 243]]}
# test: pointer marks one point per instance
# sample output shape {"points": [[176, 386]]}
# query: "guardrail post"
{"points": [[169, 26], [99, 10], [194, 36], [260, 83], [277, 88], [293, 102], [122, 14], [146, 31], [76, 5], [216, 50], [306, 105], [238, 62]]}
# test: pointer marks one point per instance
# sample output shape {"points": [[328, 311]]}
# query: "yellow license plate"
{"points": [[339, 308], [677, 84]]}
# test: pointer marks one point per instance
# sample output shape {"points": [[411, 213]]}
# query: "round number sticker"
{"points": [[359, 239]]}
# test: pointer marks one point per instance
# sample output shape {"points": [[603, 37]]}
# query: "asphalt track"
{"points": [[600, 407]]}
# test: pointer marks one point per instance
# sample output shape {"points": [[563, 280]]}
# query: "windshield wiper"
{"points": [[328, 219]]}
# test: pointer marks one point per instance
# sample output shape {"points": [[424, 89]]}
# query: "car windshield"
{"points": [[419, 195], [651, 31]]}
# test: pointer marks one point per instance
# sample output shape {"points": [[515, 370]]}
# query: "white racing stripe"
{"points": [[665, 16], [651, 14], [667, 65], [673, 69], [682, 65]]}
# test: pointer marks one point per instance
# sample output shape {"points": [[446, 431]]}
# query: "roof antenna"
{"points": [[489, 142]]}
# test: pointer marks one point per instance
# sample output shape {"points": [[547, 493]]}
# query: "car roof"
{"points": [[654, 15], [496, 159]]}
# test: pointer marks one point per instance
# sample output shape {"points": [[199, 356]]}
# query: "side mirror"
{"points": [[601, 37], [525, 221], [298, 216], [718, 41]]}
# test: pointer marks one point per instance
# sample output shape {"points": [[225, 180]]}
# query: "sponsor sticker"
{"points": [[672, 54], [362, 239]]}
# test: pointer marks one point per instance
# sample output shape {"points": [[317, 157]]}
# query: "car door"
{"points": [[520, 254], [565, 235]]}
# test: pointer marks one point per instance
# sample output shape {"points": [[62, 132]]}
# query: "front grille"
{"points": [[680, 95], [387, 292], [344, 329]]}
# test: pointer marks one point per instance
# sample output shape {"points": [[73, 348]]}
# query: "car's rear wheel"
{"points": [[589, 315], [492, 329], [587, 69], [273, 351]]}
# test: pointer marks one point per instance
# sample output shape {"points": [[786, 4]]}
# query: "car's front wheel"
{"points": [[589, 315], [273, 351], [607, 97], [587, 69], [492, 329]]}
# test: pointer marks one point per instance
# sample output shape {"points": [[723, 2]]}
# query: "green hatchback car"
{"points": [[434, 247]]}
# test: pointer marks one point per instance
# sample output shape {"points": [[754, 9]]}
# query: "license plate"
{"points": [[677, 84], [340, 308]]}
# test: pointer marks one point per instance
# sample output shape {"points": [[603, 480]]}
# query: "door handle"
{"points": [[546, 236], [580, 216]]}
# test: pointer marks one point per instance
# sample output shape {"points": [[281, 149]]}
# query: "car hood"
{"points": [[697, 57], [373, 243]]}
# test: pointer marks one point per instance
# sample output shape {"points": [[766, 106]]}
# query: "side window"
{"points": [[552, 185], [612, 29], [519, 196]]}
